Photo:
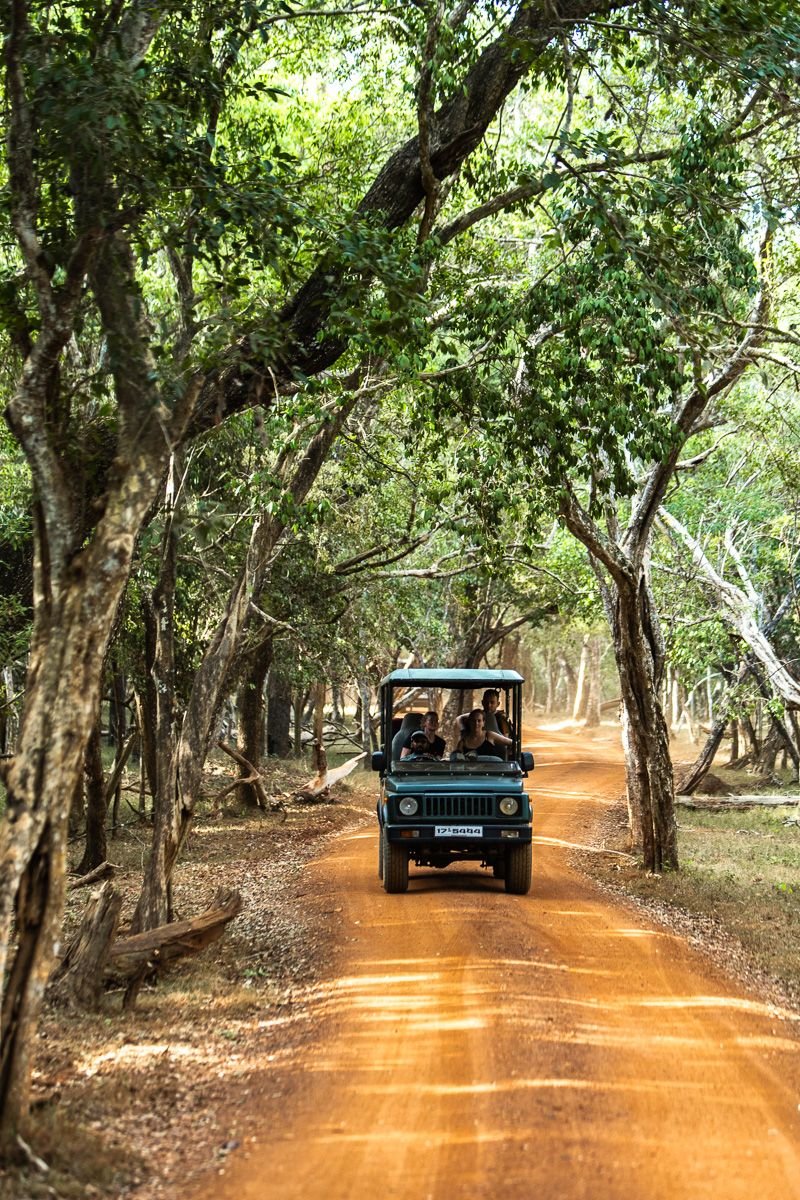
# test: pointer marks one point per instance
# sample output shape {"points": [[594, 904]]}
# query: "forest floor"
{"points": [[181, 1086], [150, 1095]]}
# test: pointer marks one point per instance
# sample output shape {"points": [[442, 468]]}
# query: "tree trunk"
{"points": [[252, 732], [81, 972], [298, 704], [569, 681], [593, 685], [74, 616], [96, 848], [279, 714], [550, 675], [579, 702], [365, 696], [734, 754], [702, 764], [635, 639]]}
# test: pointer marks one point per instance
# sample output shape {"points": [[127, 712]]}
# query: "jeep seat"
{"points": [[411, 721]]}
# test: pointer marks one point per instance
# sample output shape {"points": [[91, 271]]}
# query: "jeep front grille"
{"points": [[434, 805]]}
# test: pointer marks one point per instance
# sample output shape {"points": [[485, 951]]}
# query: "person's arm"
{"points": [[497, 739]]}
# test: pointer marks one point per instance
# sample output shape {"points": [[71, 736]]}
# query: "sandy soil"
{"points": [[464, 1043]]}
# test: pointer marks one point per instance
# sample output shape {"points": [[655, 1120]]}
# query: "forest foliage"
{"points": [[342, 336]]}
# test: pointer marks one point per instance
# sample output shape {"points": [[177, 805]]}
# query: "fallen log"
{"points": [[154, 948], [317, 790], [735, 802]]}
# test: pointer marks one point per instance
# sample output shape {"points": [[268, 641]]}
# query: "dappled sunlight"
{"points": [[756, 1007], [639, 933], [772, 1042], [360, 981], [147, 1056], [570, 912], [508, 1086]]}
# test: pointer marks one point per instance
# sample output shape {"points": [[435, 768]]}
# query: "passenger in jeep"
{"points": [[420, 748], [435, 744], [477, 739], [491, 707]]}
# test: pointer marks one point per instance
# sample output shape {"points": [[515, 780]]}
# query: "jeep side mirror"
{"points": [[378, 760], [526, 761]]}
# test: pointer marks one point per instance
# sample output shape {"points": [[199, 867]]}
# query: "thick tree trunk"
{"points": [[638, 653], [252, 731], [71, 631]]}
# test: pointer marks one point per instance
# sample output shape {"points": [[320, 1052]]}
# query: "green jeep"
{"points": [[462, 806]]}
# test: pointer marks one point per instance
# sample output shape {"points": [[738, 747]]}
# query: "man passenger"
{"points": [[435, 744], [491, 707]]}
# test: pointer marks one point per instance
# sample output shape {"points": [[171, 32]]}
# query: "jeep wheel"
{"points": [[395, 866], [519, 861]]}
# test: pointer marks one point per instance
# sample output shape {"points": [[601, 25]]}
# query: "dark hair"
{"points": [[431, 713], [491, 692], [418, 736]]}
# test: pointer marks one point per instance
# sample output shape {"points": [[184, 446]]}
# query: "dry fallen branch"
{"points": [[104, 871], [254, 777], [156, 947], [317, 790]]}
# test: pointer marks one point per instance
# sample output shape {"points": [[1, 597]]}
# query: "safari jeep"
{"points": [[434, 812]]}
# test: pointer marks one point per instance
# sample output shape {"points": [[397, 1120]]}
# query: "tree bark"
{"points": [[279, 714], [252, 730], [81, 972], [96, 848], [648, 738], [593, 685], [579, 701]]}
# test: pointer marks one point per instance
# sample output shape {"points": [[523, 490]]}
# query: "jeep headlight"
{"points": [[509, 806], [408, 806]]}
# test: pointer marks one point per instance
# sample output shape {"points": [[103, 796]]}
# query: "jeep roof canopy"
{"points": [[451, 677]]}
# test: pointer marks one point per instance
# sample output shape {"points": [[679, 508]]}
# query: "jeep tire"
{"points": [[519, 864], [395, 865]]}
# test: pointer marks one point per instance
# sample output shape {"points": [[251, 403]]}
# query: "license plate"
{"points": [[458, 831]]}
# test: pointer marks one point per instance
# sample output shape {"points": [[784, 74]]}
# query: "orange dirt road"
{"points": [[475, 1044]]}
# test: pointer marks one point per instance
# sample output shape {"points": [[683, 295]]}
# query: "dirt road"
{"points": [[477, 1044]]}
